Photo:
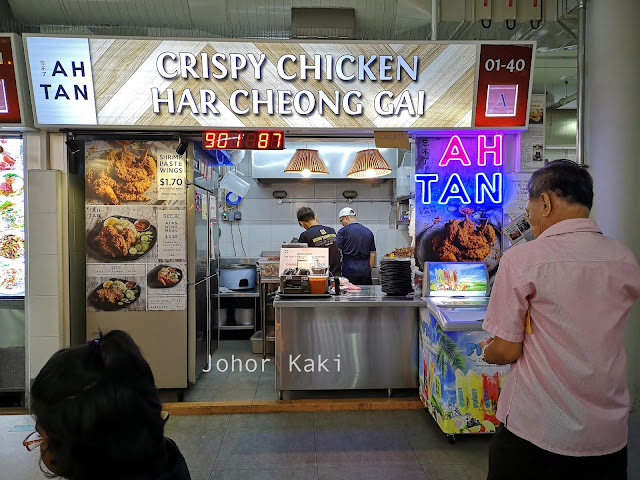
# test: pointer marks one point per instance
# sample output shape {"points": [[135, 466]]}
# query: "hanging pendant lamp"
{"points": [[306, 162], [369, 164]]}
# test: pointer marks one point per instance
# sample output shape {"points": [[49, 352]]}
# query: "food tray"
{"points": [[269, 268]]}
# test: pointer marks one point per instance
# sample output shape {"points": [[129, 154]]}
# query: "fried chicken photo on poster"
{"points": [[458, 201], [123, 172]]}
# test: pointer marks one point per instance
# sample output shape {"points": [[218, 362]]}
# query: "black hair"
{"points": [[566, 179], [305, 214], [99, 407]]}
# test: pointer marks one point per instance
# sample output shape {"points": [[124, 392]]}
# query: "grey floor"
{"points": [[242, 385], [404, 445]]}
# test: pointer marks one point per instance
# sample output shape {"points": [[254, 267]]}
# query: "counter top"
{"points": [[370, 296]]}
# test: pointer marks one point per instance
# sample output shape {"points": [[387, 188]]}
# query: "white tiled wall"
{"points": [[266, 224], [44, 242]]}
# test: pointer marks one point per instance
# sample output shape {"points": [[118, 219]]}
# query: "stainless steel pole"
{"points": [[582, 27], [434, 20]]}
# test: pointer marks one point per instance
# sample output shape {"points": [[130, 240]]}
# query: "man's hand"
{"points": [[500, 351]]}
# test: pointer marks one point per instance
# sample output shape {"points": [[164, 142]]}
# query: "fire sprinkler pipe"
{"points": [[582, 24], [434, 20]]}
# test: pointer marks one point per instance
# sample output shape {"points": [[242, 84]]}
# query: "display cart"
{"points": [[459, 390]]}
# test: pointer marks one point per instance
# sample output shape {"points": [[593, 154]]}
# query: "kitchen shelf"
{"points": [[236, 327], [403, 198], [243, 294], [270, 280], [271, 339], [403, 222]]}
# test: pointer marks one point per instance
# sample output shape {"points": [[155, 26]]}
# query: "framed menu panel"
{"points": [[12, 247]]}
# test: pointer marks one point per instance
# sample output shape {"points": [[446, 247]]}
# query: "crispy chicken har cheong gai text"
{"points": [[126, 178], [464, 241], [115, 240]]}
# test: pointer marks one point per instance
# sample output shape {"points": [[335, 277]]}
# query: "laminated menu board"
{"points": [[135, 224], [12, 246]]}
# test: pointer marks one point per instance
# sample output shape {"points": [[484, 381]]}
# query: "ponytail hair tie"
{"points": [[94, 345]]}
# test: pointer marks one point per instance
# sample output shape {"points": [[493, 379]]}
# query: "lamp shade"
{"points": [[369, 164], [306, 162]]}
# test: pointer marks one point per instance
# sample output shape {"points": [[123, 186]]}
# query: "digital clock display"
{"points": [[242, 140]]}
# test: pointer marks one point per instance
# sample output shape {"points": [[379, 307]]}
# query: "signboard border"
{"points": [[52, 127]]}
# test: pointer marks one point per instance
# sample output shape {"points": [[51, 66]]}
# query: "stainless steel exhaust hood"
{"points": [[268, 166]]}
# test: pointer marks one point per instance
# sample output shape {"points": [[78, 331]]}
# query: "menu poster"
{"points": [[171, 176], [532, 140], [519, 230], [127, 172], [136, 247], [171, 227], [121, 234], [516, 192], [12, 246], [296, 259], [113, 287]]}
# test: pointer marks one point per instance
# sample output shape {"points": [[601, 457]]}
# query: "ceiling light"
{"points": [[306, 162], [369, 164]]}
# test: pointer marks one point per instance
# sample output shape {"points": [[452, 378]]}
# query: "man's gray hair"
{"points": [[566, 179]]}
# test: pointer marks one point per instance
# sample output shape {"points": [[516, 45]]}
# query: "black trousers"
{"points": [[512, 457], [361, 280]]}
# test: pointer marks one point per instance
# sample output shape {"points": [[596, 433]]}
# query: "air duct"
{"points": [[323, 23]]}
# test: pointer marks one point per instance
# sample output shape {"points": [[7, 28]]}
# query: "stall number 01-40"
{"points": [[513, 65]]}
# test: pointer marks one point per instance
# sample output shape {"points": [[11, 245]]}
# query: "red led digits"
{"points": [[241, 140], [263, 141]]}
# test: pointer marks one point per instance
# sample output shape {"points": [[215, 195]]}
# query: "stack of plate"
{"points": [[395, 276]]}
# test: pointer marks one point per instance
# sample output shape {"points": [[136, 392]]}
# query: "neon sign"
{"points": [[484, 190]]}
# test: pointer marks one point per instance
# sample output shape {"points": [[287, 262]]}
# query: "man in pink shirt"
{"points": [[565, 405]]}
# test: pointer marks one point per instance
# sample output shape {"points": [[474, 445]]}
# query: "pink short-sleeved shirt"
{"points": [[567, 393]]}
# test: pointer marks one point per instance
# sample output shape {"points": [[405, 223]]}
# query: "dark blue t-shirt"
{"points": [[356, 242]]}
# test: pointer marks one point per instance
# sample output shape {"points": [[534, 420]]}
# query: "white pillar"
{"points": [[613, 118]]}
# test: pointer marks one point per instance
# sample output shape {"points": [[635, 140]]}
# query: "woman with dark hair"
{"points": [[98, 415]]}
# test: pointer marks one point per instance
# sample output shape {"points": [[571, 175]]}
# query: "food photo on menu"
{"points": [[12, 279], [164, 276], [113, 293], [124, 234], [124, 172]]}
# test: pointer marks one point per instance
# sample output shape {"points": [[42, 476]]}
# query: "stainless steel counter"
{"points": [[370, 296], [355, 341]]}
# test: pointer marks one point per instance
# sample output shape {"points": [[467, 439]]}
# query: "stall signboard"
{"points": [[459, 389], [135, 202], [12, 246], [459, 196], [9, 101], [262, 84]]}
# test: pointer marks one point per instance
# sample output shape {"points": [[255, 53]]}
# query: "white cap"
{"points": [[346, 212]]}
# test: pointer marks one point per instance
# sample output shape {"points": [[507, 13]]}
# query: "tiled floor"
{"points": [[242, 385], [403, 445]]}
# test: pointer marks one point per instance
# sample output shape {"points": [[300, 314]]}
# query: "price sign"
{"points": [[241, 140], [516, 193], [172, 176], [503, 85]]}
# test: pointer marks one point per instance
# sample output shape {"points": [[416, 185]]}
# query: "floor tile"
{"points": [[362, 446], [303, 473], [403, 472], [189, 424], [271, 420], [355, 418], [457, 472], [256, 448], [200, 474]]}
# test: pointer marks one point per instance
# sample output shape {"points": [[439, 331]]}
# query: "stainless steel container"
{"points": [[245, 316]]}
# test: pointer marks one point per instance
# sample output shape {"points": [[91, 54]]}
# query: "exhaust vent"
{"points": [[323, 23]]}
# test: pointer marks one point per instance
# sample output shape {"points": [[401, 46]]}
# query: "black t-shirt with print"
{"points": [[321, 236]]}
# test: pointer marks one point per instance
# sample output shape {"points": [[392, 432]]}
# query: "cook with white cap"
{"points": [[358, 248]]}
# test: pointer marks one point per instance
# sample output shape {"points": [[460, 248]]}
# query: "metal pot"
{"points": [[238, 276]]}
